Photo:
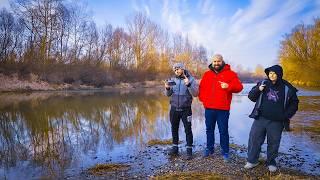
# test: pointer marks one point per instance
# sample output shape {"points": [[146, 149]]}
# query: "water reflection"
{"points": [[52, 130], [53, 134]]}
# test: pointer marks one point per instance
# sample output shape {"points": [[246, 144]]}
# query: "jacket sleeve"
{"points": [[254, 93], [292, 106], [194, 88], [235, 86], [202, 88]]}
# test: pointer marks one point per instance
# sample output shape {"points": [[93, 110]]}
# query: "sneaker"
{"points": [[250, 165], [208, 152], [173, 151], [226, 158], [272, 168]]}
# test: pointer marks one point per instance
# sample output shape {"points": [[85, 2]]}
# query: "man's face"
{"points": [[178, 71], [217, 64], [273, 76]]}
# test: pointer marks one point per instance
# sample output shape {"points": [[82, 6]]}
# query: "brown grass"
{"points": [[101, 169], [160, 142]]}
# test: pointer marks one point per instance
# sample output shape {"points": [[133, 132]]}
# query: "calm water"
{"points": [[60, 134]]}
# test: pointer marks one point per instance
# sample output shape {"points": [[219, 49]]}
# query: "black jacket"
{"points": [[291, 99]]}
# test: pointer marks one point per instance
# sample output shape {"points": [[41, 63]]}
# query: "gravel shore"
{"points": [[154, 163]]}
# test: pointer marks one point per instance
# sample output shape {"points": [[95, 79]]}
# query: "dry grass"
{"points": [[101, 169], [160, 142]]}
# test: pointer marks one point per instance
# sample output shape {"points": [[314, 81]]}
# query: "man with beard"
{"points": [[215, 92], [181, 88]]}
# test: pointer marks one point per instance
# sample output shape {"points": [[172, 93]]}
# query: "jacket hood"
{"points": [[277, 69]]}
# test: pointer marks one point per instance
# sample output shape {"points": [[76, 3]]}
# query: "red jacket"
{"points": [[210, 92]]}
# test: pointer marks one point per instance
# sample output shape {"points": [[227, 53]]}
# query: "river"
{"points": [[57, 134]]}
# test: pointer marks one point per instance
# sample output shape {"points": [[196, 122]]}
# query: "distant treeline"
{"points": [[300, 55], [60, 42]]}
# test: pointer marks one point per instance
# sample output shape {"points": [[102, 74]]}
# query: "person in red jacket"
{"points": [[215, 92]]}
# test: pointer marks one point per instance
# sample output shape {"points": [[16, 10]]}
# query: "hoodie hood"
{"points": [[277, 69]]}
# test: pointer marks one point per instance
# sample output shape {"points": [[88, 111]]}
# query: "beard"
{"points": [[218, 67]]}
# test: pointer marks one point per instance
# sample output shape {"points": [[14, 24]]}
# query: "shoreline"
{"points": [[145, 166], [14, 84]]}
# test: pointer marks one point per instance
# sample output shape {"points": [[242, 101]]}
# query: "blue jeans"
{"points": [[221, 117]]}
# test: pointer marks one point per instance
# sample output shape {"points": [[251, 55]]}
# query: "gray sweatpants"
{"points": [[259, 130]]}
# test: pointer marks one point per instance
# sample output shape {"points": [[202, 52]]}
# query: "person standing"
{"points": [[276, 102], [215, 92], [181, 88]]}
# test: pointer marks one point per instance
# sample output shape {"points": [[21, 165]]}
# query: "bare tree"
{"points": [[41, 18], [138, 32], [6, 34]]}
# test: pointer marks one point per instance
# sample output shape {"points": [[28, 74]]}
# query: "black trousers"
{"points": [[185, 115], [261, 129]]}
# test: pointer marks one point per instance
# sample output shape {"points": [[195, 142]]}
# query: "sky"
{"points": [[246, 32]]}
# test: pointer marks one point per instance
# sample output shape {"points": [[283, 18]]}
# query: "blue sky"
{"points": [[246, 32]]}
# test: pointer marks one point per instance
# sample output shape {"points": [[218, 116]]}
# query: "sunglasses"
{"points": [[177, 68]]}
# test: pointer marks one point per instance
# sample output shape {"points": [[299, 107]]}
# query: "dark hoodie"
{"points": [[272, 106], [269, 108]]}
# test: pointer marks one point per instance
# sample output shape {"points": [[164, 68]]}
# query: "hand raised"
{"points": [[186, 80], [223, 85], [261, 87], [166, 85]]}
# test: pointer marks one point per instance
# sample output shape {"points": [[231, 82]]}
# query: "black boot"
{"points": [[189, 153], [173, 151]]}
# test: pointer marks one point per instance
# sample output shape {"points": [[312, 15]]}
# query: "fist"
{"points": [[166, 85], [223, 85], [261, 87]]}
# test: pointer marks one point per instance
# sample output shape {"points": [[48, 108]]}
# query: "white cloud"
{"points": [[172, 16], [147, 10], [4, 4], [250, 36], [135, 5], [206, 7]]}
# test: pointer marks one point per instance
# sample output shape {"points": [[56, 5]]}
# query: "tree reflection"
{"points": [[51, 131]]}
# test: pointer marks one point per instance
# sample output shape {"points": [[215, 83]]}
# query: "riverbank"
{"points": [[144, 166], [13, 83]]}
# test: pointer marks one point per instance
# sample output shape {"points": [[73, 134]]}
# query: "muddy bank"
{"points": [[13, 83], [149, 164]]}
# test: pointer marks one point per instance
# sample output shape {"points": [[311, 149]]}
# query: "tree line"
{"points": [[300, 54], [58, 41]]}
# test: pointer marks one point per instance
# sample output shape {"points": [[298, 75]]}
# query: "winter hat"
{"points": [[178, 65]]}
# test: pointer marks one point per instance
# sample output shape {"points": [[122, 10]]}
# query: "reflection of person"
{"points": [[215, 92], [276, 102], [181, 98]]}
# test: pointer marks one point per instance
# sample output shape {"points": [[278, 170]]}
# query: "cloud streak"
{"points": [[250, 36]]}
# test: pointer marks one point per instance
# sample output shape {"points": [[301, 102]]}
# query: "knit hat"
{"points": [[178, 65]]}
